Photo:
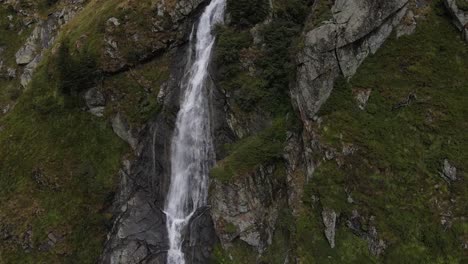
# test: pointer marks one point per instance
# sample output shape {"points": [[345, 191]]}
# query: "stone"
{"points": [[113, 21], [460, 17], [407, 26], [329, 221], [362, 96], [29, 50], [123, 130], [95, 101], [11, 73], [28, 71], [449, 172]]}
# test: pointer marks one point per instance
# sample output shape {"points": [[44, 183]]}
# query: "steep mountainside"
{"points": [[339, 128]]}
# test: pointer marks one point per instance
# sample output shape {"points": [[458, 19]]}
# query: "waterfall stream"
{"points": [[192, 153]]}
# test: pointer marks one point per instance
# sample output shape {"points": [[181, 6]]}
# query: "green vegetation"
{"points": [[462, 4], [246, 13], [247, 154], [394, 175], [259, 76], [69, 161], [137, 90], [75, 73]]}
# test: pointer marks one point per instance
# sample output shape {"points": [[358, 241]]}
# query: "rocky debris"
{"points": [[449, 172], [329, 221], [95, 101], [460, 17], [50, 242], [123, 130], [28, 71], [338, 47], [11, 73], [250, 204], [113, 22], [406, 102], [27, 243], [362, 96], [407, 25], [376, 245]]}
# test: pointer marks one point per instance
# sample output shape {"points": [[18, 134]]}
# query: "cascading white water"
{"points": [[192, 149]]}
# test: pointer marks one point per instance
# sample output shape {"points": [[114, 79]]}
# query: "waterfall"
{"points": [[192, 153]]}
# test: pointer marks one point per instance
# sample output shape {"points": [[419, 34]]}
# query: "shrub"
{"points": [[246, 13], [75, 74]]}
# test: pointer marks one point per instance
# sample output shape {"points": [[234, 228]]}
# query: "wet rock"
{"points": [[329, 221], [199, 238], [449, 172]]}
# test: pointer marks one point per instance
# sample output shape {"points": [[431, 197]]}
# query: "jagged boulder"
{"points": [[329, 221], [338, 47], [246, 208], [460, 17]]}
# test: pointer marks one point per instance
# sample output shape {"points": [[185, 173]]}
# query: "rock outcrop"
{"points": [[460, 17], [338, 47], [42, 38], [246, 208]]}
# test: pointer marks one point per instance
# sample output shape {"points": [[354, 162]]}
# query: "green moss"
{"points": [[462, 4], [247, 12], [247, 154], [238, 253]]}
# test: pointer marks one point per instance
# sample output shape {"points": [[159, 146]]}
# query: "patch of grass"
{"points": [[136, 91], [246, 13], [247, 154]]}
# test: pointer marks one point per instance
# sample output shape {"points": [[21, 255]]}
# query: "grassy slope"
{"points": [[78, 157], [394, 173]]}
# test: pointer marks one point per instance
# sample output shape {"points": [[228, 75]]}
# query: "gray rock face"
{"points": [[338, 47], [449, 172], [460, 17], [123, 130], [246, 208], [329, 221]]}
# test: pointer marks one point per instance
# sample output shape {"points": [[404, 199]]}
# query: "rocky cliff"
{"points": [[338, 127]]}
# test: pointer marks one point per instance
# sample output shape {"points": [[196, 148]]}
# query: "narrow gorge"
{"points": [[233, 131]]}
